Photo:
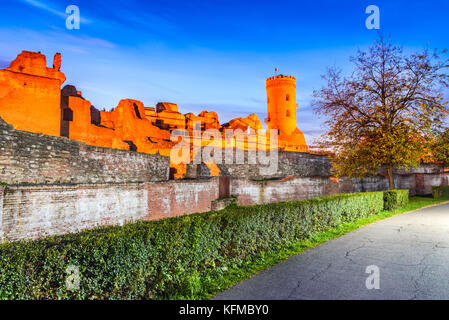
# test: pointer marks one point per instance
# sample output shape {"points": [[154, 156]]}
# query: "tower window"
{"points": [[288, 113], [287, 97], [268, 99]]}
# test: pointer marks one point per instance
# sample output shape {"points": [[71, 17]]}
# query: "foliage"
{"points": [[271, 258], [395, 199], [440, 147], [386, 112], [172, 258], [441, 192]]}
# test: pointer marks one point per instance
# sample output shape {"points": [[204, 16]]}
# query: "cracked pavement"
{"points": [[411, 251]]}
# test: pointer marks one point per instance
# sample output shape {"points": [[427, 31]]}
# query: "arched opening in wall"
{"points": [[268, 100], [268, 116], [288, 113], [287, 97], [136, 110]]}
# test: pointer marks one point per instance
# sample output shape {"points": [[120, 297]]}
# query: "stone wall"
{"points": [[253, 192], [34, 211], [31, 212], [2, 190], [299, 164], [40, 159], [51, 185], [368, 184], [249, 192], [180, 197]]}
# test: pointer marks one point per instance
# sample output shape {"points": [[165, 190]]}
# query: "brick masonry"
{"points": [[179, 197], [2, 191], [51, 185], [34, 211], [31, 212], [297, 164], [293, 188], [39, 159]]}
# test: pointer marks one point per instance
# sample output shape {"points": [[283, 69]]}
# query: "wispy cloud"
{"points": [[45, 6]]}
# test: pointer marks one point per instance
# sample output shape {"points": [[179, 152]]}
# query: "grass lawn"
{"points": [[269, 259]]}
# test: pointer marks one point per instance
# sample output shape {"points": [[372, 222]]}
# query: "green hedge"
{"points": [[395, 199], [440, 192], [171, 258]]}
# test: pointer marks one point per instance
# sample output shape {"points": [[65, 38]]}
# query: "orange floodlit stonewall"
{"points": [[31, 99], [30, 94]]}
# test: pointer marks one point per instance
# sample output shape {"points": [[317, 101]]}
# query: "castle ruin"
{"points": [[66, 166]]}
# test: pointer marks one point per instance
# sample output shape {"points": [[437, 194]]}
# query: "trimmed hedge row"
{"points": [[394, 199], [440, 192], [170, 258]]}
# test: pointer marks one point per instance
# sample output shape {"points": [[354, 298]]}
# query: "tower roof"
{"points": [[281, 76]]}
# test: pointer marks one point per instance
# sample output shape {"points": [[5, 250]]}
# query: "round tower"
{"points": [[281, 104]]}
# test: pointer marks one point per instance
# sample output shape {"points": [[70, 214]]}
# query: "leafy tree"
{"points": [[384, 114], [440, 147]]}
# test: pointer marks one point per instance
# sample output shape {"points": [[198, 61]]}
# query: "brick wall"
{"points": [[299, 164], [249, 192], [179, 197], [31, 212], [56, 185], [295, 188], [2, 190], [39, 159], [368, 184], [34, 211]]}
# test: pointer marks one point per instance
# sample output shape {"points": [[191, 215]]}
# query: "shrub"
{"points": [[395, 199], [440, 192], [171, 258]]}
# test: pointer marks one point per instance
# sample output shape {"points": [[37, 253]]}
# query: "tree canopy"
{"points": [[384, 113]]}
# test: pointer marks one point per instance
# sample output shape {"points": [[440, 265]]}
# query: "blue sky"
{"points": [[212, 55]]}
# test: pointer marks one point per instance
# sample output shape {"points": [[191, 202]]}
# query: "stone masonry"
{"points": [[40, 159]]}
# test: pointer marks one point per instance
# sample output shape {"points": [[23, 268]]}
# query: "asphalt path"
{"points": [[402, 257]]}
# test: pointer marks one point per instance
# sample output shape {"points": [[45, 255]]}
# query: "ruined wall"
{"points": [[2, 191], [91, 186], [291, 189], [299, 164], [179, 197], [30, 94], [39, 159], [249, 192], [31, 212], [368, 184]]}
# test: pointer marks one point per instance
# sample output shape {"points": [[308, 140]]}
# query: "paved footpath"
{"points": [[411, 251]]}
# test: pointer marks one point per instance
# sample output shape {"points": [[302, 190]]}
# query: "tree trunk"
{"points": [[390, 177]]}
